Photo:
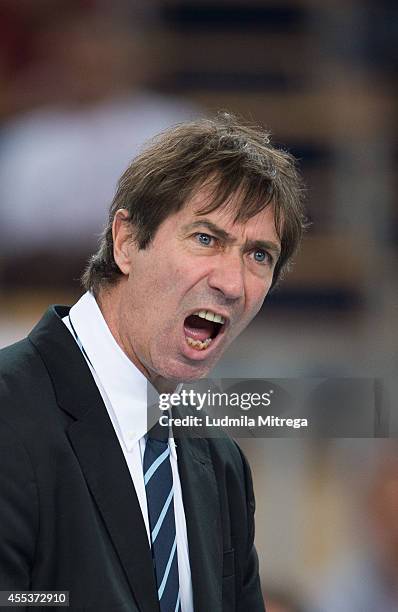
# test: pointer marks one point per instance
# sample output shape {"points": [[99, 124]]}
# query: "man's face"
{"points": [[196, 266]]}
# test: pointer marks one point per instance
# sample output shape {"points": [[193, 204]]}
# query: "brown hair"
{"points": [[223, 152]]}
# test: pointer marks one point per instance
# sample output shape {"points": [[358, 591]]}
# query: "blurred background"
{"points": [[83, 83]]}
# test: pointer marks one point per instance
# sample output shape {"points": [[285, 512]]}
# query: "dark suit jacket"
{"points": [[69, 515]]}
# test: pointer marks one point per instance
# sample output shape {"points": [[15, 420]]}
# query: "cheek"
{"points": [[256, 295], [149, 279]]}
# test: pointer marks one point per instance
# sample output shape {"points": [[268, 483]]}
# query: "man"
{"points": [[203, 223]]}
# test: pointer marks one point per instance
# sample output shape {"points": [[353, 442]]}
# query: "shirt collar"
{"points": [[124, 385]]}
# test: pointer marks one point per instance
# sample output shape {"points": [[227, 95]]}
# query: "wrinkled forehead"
{"points": [[233, 211], [198, 213]]}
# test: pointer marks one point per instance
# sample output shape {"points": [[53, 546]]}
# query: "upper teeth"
{"points": [[210, 316]]}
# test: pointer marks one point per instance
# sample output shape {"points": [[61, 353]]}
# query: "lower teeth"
{"points": [[198, 344]]}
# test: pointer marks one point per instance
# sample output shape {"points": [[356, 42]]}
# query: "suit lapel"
{"points": [[98, 452], [108, 479], [202, 515]]}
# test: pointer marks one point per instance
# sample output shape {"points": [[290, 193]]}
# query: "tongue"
{"points": [[197, 328]]}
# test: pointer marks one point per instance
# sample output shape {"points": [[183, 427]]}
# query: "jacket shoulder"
{"points": [[25, 386], [19, 365]]}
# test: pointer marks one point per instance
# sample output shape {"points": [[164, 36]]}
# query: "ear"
{"points": [[122, 241]]}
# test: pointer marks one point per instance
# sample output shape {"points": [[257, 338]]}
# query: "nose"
{"points": [[227, 275]]}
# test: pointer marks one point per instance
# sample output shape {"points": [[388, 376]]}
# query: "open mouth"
{"points": [[202, 327]]}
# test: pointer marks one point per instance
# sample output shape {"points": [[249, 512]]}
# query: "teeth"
{"points": [[198, 344], [210, 316]]}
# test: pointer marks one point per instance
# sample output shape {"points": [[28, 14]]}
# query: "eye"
{"points": [[260, 256], [204, 239]]}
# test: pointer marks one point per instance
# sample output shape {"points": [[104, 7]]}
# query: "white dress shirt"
{"points": [[124, 391]]}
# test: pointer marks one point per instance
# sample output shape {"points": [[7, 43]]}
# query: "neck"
{"points": [[109, 300]]}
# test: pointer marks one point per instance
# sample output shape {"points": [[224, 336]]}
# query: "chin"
{"points": [[183, 372]]}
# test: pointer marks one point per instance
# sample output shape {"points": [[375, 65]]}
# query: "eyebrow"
{"points": [[267, 245]]}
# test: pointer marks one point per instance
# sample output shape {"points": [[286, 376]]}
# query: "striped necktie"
{"points": [[158, 480]]}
